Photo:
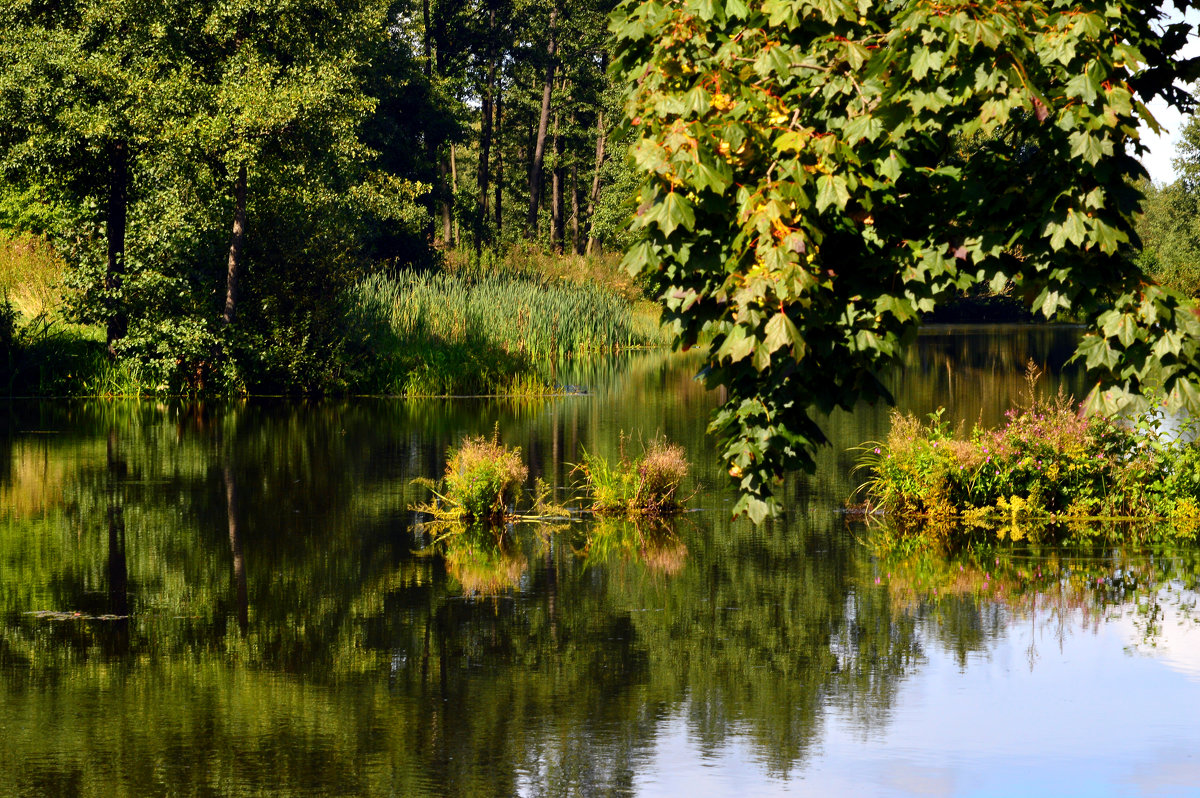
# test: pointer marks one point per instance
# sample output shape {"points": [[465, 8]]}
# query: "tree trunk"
{"points": [[118, 212], [237, 239], [485, 134], [428, 39], [601, 136], [447, 224], [539, 150], [499, 164], [575, 208], [454, 188], [557, 225]]}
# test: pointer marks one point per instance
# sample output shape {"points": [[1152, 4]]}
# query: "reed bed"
{"points": [[518, 315]]}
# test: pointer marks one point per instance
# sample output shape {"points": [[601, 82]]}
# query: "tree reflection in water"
{"points": [[350, 654]]}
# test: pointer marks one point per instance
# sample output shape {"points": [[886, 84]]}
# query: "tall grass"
{"points": [[31, 275], [515, 314], [43, 357]]}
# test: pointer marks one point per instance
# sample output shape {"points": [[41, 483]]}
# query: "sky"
{"points": [[1162, 148]]}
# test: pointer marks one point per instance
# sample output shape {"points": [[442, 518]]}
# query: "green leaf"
{"points": [[637, 258], [1089, 146], [706, 177], [672, 212], [736, 346], [863, 127], [924, 61], [762, 358], [1083, 86], [832, 190], [780, 331]]}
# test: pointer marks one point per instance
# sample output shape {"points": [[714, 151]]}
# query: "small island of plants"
{"points": [[1047, 463], [483, 481]]}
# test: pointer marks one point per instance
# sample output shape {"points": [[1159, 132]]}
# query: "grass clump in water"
{"points": [[648, 485], [1047, 462], [482, 480]]}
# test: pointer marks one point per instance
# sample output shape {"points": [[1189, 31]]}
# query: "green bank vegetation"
{"points": [[500, 325], [1047, 467], [217, 199], [1170, 226]]}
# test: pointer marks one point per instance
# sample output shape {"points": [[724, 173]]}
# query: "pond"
{"points": [[234, 599]]}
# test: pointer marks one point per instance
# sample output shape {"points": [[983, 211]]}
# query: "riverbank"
{"points": [[476, 325]]}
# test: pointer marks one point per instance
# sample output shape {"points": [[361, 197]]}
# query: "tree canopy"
{"points": [[819, 173]]}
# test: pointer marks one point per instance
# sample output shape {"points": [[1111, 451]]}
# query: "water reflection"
{"points": [[290, 629]]}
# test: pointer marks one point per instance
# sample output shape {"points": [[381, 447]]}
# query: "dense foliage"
{"points": [[218, 176], [1170, 228], [820, 172]]}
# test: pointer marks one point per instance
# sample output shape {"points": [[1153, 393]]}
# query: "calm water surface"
{"points": [[234, 599]]}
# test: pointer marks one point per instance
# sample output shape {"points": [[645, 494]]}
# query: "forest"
{"points": [[307, 197]]}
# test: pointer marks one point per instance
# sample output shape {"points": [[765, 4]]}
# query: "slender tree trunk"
{"points": [[237, 240], [575, 208], [557, 225], [601, 137], [485, 134], [499, 163], [447, 224], [539, 151], [428, 37], [118, 212], [530, 138], [454, 188]]}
